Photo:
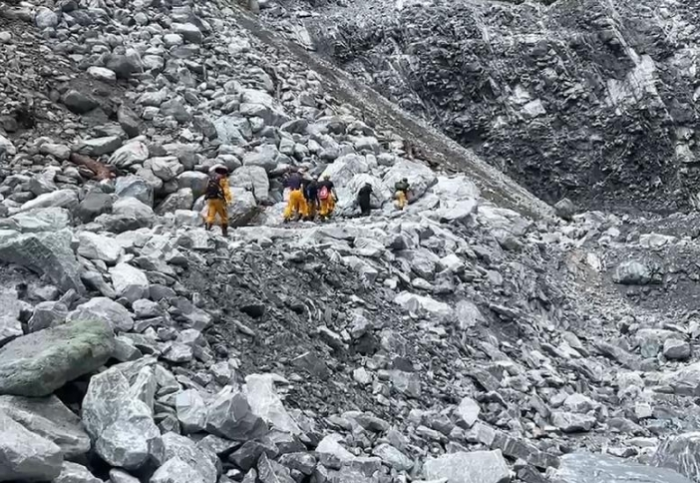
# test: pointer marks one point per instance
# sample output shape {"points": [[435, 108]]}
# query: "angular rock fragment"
{"points": [[230, 416], [25, 456], [475, 467], [577, 468], [49, 418], [37, 364]]}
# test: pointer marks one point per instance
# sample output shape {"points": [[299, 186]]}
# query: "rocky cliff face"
{"points": [[589, 99]]}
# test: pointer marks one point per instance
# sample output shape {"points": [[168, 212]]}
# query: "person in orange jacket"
{"points": [[218, 196]]}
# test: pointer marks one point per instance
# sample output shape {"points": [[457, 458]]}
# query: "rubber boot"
{"points": [[224, 230], [207, 226]]}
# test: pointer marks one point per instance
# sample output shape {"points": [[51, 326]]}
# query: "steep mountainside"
{"points": [[469, 338], [590, 99]]}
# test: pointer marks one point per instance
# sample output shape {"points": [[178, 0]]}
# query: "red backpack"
{"points": [[323, 194]]}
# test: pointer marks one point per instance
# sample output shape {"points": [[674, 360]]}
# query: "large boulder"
{"points": [[37, 364], [684, 381], [127, 214], [230, 416], [46, 253], [633, 272], [129, 282], [120, 425], [99, 247], [255, 103], [176, 446], [252, 178], [414, 303], [265, 402], [25, 456], [233, 130], [75, 473], [134, 187], [243, 208], [66, 198], [680, 453], [166, 168], [93, 205], [182, 199], [106, 310], [133, 153], [193, 180], [344, 169], [577, 468], [42, 219], [475, 467], [420, 177], [176, 471], [49, 418], [266, 156]]}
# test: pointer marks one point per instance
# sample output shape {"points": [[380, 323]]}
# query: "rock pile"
{"points": [[455, 341]]}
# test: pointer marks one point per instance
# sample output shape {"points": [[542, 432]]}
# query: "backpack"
{"points": [[214, 190], [323, 194]]}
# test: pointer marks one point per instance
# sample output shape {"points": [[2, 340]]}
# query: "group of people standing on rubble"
{"points": [[308, 197]]}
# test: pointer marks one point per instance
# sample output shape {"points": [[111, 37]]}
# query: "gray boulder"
{"points": [[393, 457], [243, 208], [265, 402], [230, 416], [134, 187], [120, 425], [191, 411], [632, 272], [475, 467], [37, 364], [182, 199], [47, 314], [166, 167], [99, 146], [46, 253], [420, 177], [252, 178], [265, 156], [129, 282], [131, 154], [176, 471], [193, 180], [42, 219], [576, 468], [25, 456], [467, 413], [189, 32], [183, 448], [106, 310], [565, 209], [93, 205], [99, 247], [79, 102], [75, 473], [572, 422], [49, 418], [66, 198], [681, 454]]}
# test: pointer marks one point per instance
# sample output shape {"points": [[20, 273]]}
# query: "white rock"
{"points": [[101, 73], [129, 282], [99, 247]]}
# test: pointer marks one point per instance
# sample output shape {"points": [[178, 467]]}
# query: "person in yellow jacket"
{"points": [[218, 196], [296, 205]]}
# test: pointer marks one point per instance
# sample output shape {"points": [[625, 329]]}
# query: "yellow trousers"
{"points": [[310, 211], [296, 205], [401, 200], [327, 206], [217, 207]]}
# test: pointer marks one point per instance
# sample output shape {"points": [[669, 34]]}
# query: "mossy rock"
{"points": [[37, 364]]}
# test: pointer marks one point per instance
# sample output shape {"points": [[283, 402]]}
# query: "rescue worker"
{"points": [[311, 197], [401, 193], [218, 197], [326, 197], [296, 206], [364, 199]]}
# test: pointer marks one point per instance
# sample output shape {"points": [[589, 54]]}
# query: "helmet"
{"points": [[405, 180], [218, 169]]}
